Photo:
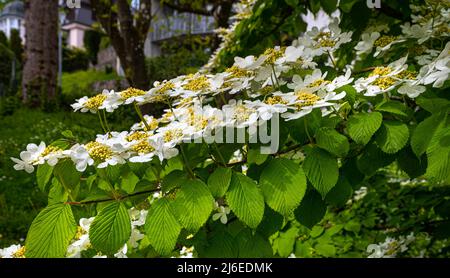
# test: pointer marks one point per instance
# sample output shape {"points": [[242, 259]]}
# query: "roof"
{"points": [[15, 8], [82, 15]]}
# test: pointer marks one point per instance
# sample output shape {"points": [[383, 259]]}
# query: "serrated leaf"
{"points": [[57, 194], [332, 141], [219, 181], [433, 104], [311, 122], [373, 159], [392, 136], [43, 175], [311, 210], [321, 169], [173, 180], [361, 127], [283, 184], [220, 245], [111, 228], [339, 195], [395, 108], [51, 232], [255, 156], [128, 181], [161, 226], [424, 132], [253, 245], [438, 154], [193, 204], [67, 174], [413, 166], [245, 200]]}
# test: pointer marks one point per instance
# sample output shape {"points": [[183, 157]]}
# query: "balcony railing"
{"points": [[182, 24]]}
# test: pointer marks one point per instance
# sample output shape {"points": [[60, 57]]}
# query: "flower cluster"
{"points": [[390, 247], [282, 80]]}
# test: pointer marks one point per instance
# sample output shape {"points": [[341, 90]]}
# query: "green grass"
{"points": [[20, 198], [78, 84]]}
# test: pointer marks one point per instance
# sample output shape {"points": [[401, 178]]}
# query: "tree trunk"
{"points": [[128, 40], [40, 72]]}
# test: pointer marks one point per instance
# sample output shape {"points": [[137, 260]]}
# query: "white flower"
{"points": [[187, 252], [339, 81], [239, 115], [29, 157], [221, 214], [438, 71], [12, 251], [122, 253], [271, 105], [366, 44], [304, 102], [135, 236], [91, 104], [80, 156]]}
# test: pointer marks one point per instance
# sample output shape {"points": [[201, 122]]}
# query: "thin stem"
{"points": [[186, 162], [275, 75], [138, 111], [106, 121], [307, 131], [219, 154], [223, 98], [332, 60], [82, 203], [101, 121]]}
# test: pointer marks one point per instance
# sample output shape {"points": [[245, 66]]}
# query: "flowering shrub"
{"points": [[269, 138]]}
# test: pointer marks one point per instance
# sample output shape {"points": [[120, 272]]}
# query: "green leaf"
{"points": [[56, 194], [311, 122], [438, 153], [283, 184], [111, 228], [332, 141], [51, 232], [245, 200], [361, 127], [173, 180], [193, 204], [353, 226], [373, 159], [292, 3], [351, 172], [325, 249], [350, 93], [255, 156], [161, 226], [284, 244], [253, 245], [424, 131], [43, 175], [433, 104], [67, 175], [129, 181], [329, 6], [321, 169], [409, 163], [395, 108], [220, 245], [339, 195], [392, 136], [311, 210], [68, 134], [219, 181], [272, 222]]}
